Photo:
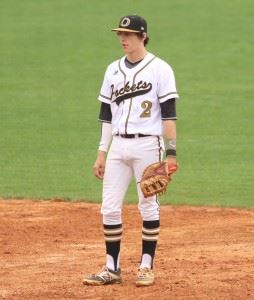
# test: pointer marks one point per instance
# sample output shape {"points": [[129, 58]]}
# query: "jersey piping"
{"points": [[134, 77], [124, 75], [168, 94], [106, 97]]}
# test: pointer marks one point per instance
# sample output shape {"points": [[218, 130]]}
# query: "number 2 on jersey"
{"points": [[146, 105]]}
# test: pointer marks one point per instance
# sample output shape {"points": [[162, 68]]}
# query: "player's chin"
{"points": [[125, 49]]}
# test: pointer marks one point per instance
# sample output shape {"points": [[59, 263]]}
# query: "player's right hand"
{"points": [[99, 165]]}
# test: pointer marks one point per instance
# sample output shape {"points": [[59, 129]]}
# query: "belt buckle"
{"points": [[136, 135]]}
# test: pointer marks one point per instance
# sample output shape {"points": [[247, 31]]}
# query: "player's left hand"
{"points": [[171, 160], [156, 178]]}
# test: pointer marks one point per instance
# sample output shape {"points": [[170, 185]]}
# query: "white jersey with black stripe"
{"points": [[135, 94]]}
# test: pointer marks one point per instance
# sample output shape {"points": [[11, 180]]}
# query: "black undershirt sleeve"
{"points": [[168, 109], [105, 113]]}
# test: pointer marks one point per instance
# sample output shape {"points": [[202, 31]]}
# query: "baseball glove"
{"points": [[156, 178]]}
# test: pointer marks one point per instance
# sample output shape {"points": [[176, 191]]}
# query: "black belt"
{"points": [[132, 136]]}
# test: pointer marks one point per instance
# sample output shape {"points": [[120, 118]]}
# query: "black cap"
{"points": [[132, 23]]}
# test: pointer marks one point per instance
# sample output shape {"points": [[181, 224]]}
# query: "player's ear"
{"points": [[144, 35], [145, 38]]}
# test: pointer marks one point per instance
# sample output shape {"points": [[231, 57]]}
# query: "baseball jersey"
{"points": [[135, 94]]}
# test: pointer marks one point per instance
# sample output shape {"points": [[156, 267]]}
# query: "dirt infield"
{"points": [[47, 246]]}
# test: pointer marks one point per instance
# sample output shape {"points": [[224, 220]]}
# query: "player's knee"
{"points": [[111, 217], [150, 214]]}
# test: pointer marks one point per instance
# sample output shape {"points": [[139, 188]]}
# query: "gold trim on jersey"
{"points": [[121, 70], [160, 97], [134, 77], [106, 97]]}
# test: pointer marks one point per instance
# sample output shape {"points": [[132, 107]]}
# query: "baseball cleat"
{"points": [[144, 277], [105, 276]]}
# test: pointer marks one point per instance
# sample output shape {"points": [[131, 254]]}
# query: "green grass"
{"points": [[53, 56]]}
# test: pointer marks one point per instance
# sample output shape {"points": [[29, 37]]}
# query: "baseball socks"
{"points": [[112, 236], [150, 234]]}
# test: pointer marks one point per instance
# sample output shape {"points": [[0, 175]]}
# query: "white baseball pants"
{"points": [[127, 158]]}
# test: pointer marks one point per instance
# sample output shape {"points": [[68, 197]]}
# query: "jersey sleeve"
{"points": [[105, 92], [166, 85]]}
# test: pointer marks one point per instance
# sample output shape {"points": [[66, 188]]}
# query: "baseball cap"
{"points": [[132, 23]]}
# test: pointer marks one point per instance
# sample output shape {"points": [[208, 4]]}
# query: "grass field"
{"points": [[53, 55]]}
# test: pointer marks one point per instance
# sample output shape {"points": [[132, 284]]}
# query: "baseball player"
{"points": [[137, 118]]}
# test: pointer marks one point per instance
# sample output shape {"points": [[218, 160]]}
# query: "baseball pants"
{"points": [[127, 158]]}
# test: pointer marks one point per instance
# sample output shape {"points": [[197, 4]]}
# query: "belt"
{"points": [[132, 136]]}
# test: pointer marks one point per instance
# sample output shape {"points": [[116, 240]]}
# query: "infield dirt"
{"points": [[46, 247]]}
